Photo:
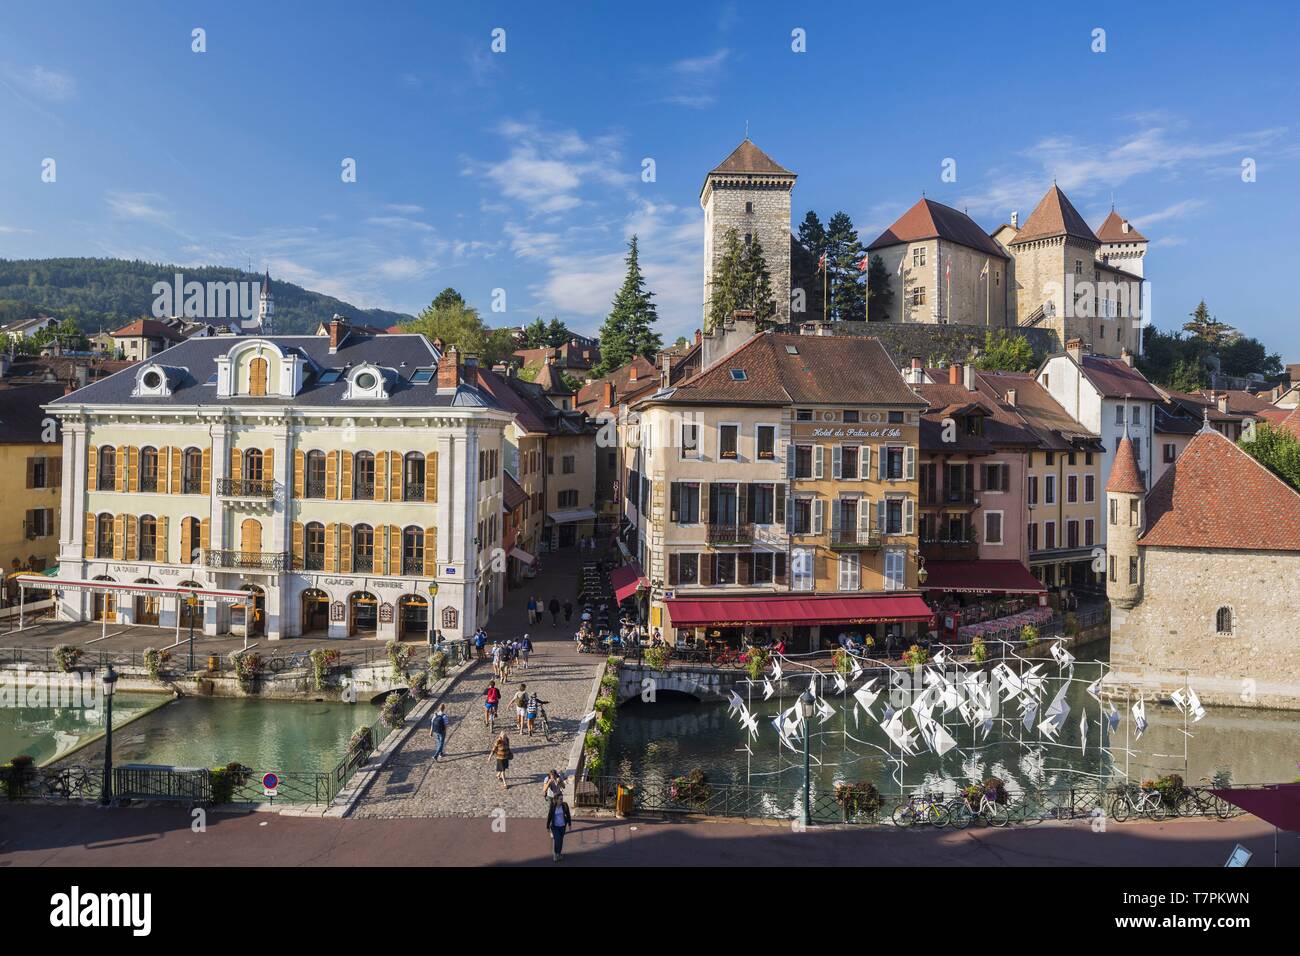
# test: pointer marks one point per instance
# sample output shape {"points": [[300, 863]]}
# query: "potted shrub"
{"points": [[979, 650], [66, 657], [756, 659], [361, 742], [419, 688], [154, 660], [225, 780], [693, 789], [438, 665], [858, 800], [392, 713], [322, 660], [248, 667], [841, 661], [399, 655], [656, 658], [915, 656], [1029, 634]]}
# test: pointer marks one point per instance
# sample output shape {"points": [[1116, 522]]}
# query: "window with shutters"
{"points": [[690, 440], [685, 502], [148, 541], [413, 551], [192, 472], [1031, 489], [993, 527], [1049, 535], [997, 477], [190, 532], [892, 463], [893, 523], [1049, 489], [314, 475], [38, 473], [363, 548], [801, 515], [363, 475], [314, 546], [895, 570], [567, 499], [107, 478], [724, 569], [568, 464], [39, 522], [1089, 488], [1033, 536], [253, 465], [762, 503], [850, 572], [849, 466], [257, 369], [1071, 489], [1072, 533], [801, 569], [148, 469], [688, 568], [803, 461], [104, 536], [1089, 533], [413, 477]]}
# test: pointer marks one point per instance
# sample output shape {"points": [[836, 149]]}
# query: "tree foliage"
{"points": [[460, 325], [741, 280], [1276, 449], [1005, 353], [628, 330]]}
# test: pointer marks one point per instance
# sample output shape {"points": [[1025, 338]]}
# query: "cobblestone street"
{"points": [[463, 783]]}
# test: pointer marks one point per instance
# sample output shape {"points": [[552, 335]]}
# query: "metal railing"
{"points": [[363, 490], [729, 533], [363, 562], [413, 566], [246, 560], [413, 491], [246, 487], [314, 489], [148, 482], [192, 486], [849, 538]]}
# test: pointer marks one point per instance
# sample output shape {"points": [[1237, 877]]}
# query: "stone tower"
{"points": [[1125, 515], [749, 192], [265, 305], [1121, 244]]}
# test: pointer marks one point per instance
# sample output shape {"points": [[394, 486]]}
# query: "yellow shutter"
{"points": [[298, 545], [174, 468], [299, 473], [119, 462], [92, 468], [132, 548], [132, 469], [431, 476], [161, 545], [250, 536], [236, 464], [119, 536], [381, 476], [331, 477], [207, 472], [164, 461], [345, 476], [205, 534], [268, 465], [395, 550], [187, 542], [345, 548], [395, 476], [331, 550], [381, 549], [91, 530], [430, 552]]}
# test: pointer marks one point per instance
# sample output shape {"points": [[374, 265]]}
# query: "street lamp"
{"points": [[191, 602], [110, 684], [807, 707], [922, 575]]}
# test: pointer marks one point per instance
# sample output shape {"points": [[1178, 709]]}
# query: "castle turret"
{"points": [[1125, 515], [1121, 244]]}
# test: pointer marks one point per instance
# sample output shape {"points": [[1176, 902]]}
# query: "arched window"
{"points": [[250, 536], [314, 544], [104, 536], [363, 548], [192, 478], [107, 468], [1223, 620], [413, 477], [148, 540], [191, 536], [253, 464], [413, 550], [257, 376], [363, 475], [148, 469], [315, 476]]}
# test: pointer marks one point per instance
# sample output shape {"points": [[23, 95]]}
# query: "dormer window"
{"points": [[366, 381], [151, 380]]}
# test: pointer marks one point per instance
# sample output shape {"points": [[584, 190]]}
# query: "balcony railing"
{"points": [[413, 491], [363, 490], [848, 539], [314, 489], [191, 486], [363, 563], [313, 561], [148, 482], [246, 560], [942, 549], [731, 533], [948, 496], [413, 566], [246, 487]]}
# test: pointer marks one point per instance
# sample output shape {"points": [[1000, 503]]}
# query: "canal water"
{"points": [[281, 735], [654, 742]]}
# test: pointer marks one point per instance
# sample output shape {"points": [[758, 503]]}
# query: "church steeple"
{"points": [[265, 305]]}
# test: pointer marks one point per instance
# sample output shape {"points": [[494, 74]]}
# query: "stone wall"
{"points": [[1170, 639], [935, 342]]}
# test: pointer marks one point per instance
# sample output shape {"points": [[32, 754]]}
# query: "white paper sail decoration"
{"points": [[941, 658], [1030, 708], [734, 704], [1057, 711], [1113, 718], [1139, 717], [1083, 732], [768, 689], [866, 696], [1008, 680], [825, 711], [776, 669], [1194, 703], [1061, 655], [1034, 682], [900, 735], [857, 670], [1094, 690], [841, 685], [943, 741], [1180, 700]]}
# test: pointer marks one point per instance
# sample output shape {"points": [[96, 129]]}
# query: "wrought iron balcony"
{"points": [[314, 488], [364, 563], [413, 491], [413, 566], [731, 533], [148, 482], [192, 486], [851, 539], [946, 549], [246, 560], [246, 487], [363, 490], [939, 497], [312, 561]]}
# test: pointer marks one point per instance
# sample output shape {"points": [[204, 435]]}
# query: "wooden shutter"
{"points": [[250, 536], [160, 540], [706, 568], [744, 567], [779, 574], [864, 454], [119, 536], [673, 565], [819, 461], [431, 476], [381, 476], [819, 515], [864, 518], [205, 535], [395, 555], [268, 465], [331, 545], [206, 473], [909, 516], [836, 524], [299, 473], [31, 473], [177, 457], [92, 468], [674, 500], [345, 548], [92, 530], [236, 464], [187, 541], [395, 463], [1006, 479], [743, 491], [909, 462], [837, 461], [881, 516], [298, 544], [430, 552], [119, 463], [706, 494], [346, 468], [132, 469], [331, 477], [779, 507], [380, 549], [789, 461]]}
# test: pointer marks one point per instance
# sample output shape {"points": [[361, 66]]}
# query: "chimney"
{"points": [[968, 376], [338, 332], [1010, 397], [954, 373], [1074, 348], [1125, 226], [698, 335], [471, 361], [1222, 402], [608, 399], [449, 369], [1127, 356], [1015, 220]]}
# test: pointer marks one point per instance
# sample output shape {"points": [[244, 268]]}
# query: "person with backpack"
{"points": [[438, 730], [533, 710], [491, 697], [554, 608], [480, 641], [525, 649], [558, 820], [501, 754], [568, 611], [520, 700]]}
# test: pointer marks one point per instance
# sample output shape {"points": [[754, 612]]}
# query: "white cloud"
{"points": [[144, 206], [41, 82]]}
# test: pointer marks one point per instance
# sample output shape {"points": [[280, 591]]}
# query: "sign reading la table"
{"points": [[270, 783]]}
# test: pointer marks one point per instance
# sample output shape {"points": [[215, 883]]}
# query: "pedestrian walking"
{"points": [[480, 641], [501, 754], [558, 820], [553, 787], [520, 700], [438, 730], [568, 611], [532, 609], [491, 697], [554, 608], [538, 607], [525, 650]]}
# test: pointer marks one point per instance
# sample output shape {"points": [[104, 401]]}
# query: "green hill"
{"points": [[108, 293]]}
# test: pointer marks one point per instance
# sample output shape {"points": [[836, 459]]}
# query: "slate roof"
{"points": [[781, 369], [1001, 426], [21, 414], [195, 363], [1054, 216], [748, 158], [534, 412], [1112, 230], [1115, 378], [1043, 415], [1125, 475], [933, 220], [1216, 496]]}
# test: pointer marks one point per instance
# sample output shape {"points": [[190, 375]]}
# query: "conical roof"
{"points": [[1112, 230], [748, 158], [1125, 475], [1054, 216]]}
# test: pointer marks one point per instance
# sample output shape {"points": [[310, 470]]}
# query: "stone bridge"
{"points": [[702, 683]]}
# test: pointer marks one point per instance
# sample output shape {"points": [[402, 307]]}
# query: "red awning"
{"points": [[738, 612], [1004, 577], [626, 580], [1278, 805]]}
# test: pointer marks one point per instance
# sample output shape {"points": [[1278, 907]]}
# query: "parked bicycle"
{"points": [[962, 812], [1138, 801], [922, 810], [1201, 802], [67, 784]]}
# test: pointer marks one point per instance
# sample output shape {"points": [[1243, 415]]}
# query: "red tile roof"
{"points": [[1292, 422], [1054, 216], [1216, 496], [1125, 475], [933, 220], [512, 494], [150, 328], [591, 397], [1112, 230], [1115, 378], [748, 158]]}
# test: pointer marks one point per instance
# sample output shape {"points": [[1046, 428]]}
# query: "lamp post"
{"points": [[433, 620], [191, 602], [807, 707], [110, 684]]}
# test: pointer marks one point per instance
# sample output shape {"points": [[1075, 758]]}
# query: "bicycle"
{"points": [[1200, 802], [961, 814], [922, 810], [66, 783], [1138, 801]]}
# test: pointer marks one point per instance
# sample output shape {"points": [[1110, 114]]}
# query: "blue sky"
{"points": [[521, 170]]}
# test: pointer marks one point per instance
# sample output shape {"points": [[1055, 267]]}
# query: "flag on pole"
{"points": [[902, 262], [862, 266], [947, 269], [984, 273], [821, 263]]}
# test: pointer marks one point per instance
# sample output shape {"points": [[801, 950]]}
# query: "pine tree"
{"points": [[741, 280], [844, 255], [812, 234], [629, 328], [880, 291], [556, 333], [1210, 330], [535, 334], [756, 289]]}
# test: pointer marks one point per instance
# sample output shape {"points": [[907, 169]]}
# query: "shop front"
{"points": [[968, 593]]}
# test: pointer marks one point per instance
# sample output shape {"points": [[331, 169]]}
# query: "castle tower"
{"points": [[265, 305], [1121, 244], [749, 192], [1125, 516]]}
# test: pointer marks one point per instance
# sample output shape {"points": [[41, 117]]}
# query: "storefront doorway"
{"points": [[104, 606], [146, 606], [315, 611], [412, 618], [191, 608], [363, 614]]}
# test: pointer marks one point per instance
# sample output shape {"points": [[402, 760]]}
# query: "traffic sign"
{"points": [[270, 783]]}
